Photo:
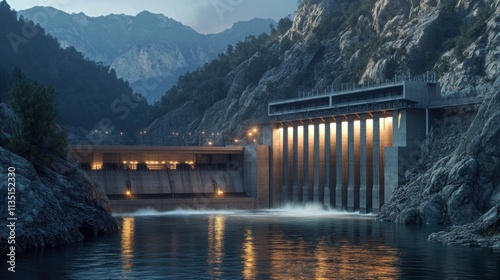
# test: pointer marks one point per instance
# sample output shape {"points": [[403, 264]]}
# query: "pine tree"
{"points": [[37, 135]]}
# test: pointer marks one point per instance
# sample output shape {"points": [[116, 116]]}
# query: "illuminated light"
{"points": [[163, 162], [147, 162], [124, 162], [219, 192], [399, 119], [255, 130], [106, 132], [254, 140], [236, 140], [210, 143], [250, 134]]}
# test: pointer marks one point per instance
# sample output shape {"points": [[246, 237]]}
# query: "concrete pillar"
{"points": [[316, 162], [295, 182], [339, 177], [284, 190], [327, 196], [350, 170], [277, 167], [362, 166], [267, 134], [376, 164], [305, 184]]}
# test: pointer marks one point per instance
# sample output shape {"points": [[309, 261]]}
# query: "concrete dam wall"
{"points": [[169, 181]]}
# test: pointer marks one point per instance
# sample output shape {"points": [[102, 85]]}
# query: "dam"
{"points": [[346, 150], [166, 178], [349, 149]]}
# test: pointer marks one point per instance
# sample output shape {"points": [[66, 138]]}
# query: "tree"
{"points": [[37, 134], [284, 25]]}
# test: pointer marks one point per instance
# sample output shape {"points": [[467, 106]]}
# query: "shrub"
{"points": [[37, 135]]}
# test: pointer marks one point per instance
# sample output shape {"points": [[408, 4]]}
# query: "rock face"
{"points": [[455, 181], [455, 185], [148, 50], [481, 233], [54, 204]]}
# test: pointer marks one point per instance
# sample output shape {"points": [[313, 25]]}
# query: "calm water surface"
{"points": [[299, 243]]}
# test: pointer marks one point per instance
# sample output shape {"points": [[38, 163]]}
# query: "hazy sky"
{"points": [[205, 16]]}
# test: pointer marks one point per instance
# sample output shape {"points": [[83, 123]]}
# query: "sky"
{"points": [[205, 16]]}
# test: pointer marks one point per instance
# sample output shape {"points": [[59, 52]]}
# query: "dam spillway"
{"points": [[350, 149], [347, 150], [166, 178]]}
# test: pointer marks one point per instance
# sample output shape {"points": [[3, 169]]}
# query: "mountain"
{"points": [[88, 94], [334, 42], [148, 50]]}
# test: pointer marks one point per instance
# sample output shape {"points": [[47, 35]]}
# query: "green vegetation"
{"points": [[88, 93], [471, 29], [453, 29], [37, 134], [347, 16]]}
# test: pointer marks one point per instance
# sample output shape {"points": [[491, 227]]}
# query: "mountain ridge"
{"points": [[146, 49]]}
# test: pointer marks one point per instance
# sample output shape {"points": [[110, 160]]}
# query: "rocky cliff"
{"points": [[54, 204], [148, 50], [333, 43]]}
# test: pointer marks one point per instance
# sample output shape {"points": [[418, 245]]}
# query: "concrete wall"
{"points": [[409, 130], [169, 181], [257, 175]]}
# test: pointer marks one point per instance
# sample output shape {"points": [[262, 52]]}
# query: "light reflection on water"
{"points": [[215, 244], [127, 252], [269, 244]]}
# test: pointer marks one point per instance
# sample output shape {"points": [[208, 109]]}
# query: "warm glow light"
{"points": [[399, 119], [219, 192], [127, 244], [210, 143], [216, 228], [124, 162], [255, 130], [163, 162], [248, 256], [250, 134]]}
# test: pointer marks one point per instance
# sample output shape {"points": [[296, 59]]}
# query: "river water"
{"points": [[288, 243]]}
